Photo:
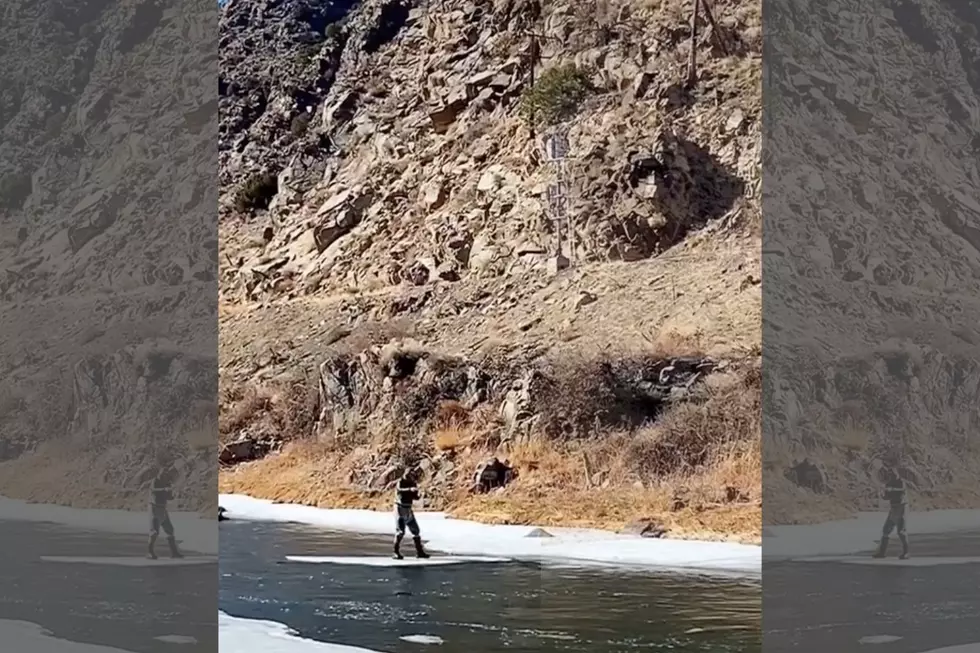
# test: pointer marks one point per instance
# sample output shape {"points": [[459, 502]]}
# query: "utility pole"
{"points": [[535, 58], [556, 152]]}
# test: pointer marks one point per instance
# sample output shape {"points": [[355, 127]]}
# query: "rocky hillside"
{"points": [[389, 148], [872, 256], [395, 291], [107, 252]]}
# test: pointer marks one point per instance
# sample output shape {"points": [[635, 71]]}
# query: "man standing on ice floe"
{"points": [[160, 494], [407, 492], [895, 495]]}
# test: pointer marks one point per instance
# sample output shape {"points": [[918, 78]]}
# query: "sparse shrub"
{"points": [[450, 438], [14, 190], [240, 408], [451, 413], [300, 124], [557, 95], [306, 54], [257, 193], [288, 412], [668, 343], [451, 422], [692, 434], [582, 397]]}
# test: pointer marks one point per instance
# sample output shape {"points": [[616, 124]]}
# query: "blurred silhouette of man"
{"points": [[406, 493], [160, 494], [897, 503]]}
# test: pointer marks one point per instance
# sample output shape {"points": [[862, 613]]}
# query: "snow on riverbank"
{"points": [[197, 534], [848, 536], [31, 638], [237, 635], [459, 537]]}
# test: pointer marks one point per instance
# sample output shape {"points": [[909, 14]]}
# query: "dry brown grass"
{"points": [[720, 495], [692, 435], [304, 473], [672, 343], [287, 411], [451, 413], [697, 471], [450, 438]]}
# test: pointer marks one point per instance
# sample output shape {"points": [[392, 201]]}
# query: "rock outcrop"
{"points": [[403, 383]]}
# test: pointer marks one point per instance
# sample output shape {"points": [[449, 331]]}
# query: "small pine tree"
{"points": [[557, 95]]}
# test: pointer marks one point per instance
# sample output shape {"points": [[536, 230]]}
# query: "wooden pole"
{"points": [[535, 54], [692, 66], [716, 33]]}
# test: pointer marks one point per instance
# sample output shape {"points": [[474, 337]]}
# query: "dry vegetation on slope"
{"points": [[390, 288]]}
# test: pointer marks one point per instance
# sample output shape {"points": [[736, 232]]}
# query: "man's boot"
{"points": [[174, 551], [882, 547], [905, 547], [150, 553], [398, 546], [419, 549]]}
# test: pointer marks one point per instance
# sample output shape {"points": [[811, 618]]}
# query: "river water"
{"points": [[474, 608], [138, 609], [478, 608], [815, 607]]}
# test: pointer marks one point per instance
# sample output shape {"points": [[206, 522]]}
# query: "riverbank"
{"points": [[288, 481], [461, 537], [718, 502]]}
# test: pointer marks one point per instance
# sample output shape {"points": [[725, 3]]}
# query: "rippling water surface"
{"points": [[482, 608]]}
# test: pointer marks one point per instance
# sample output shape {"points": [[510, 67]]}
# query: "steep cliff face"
{"points": [[872, 256], [395, 146], [383, 175], [107, 155]]}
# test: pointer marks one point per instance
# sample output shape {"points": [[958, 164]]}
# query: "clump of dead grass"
{"points": [[451, 413], [288, 410], [672, 343], [692, 434], [449, 438], [456, 428]]}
